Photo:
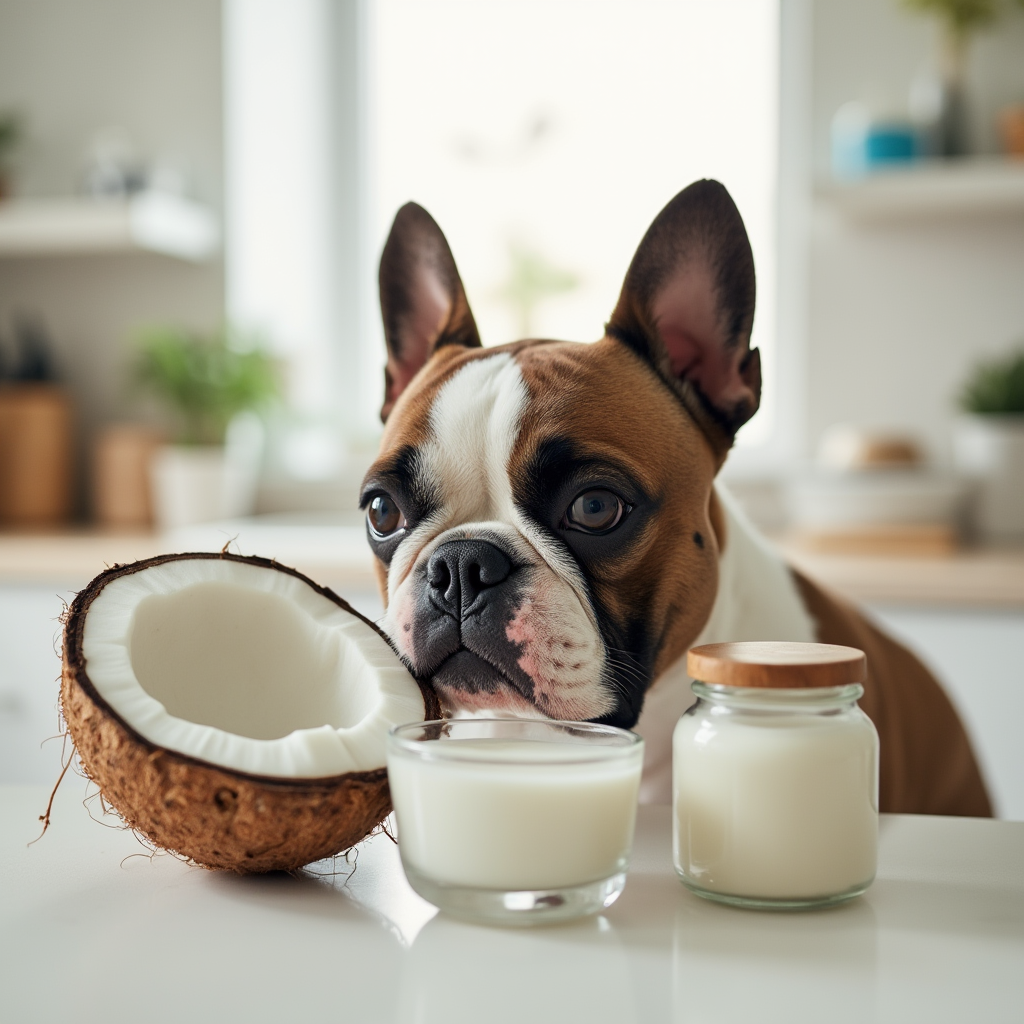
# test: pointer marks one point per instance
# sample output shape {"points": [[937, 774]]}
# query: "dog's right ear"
{"points": [[422, 300], [687, 308]]}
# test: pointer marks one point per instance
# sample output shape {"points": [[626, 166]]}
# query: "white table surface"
{"points": [[89, 932]]}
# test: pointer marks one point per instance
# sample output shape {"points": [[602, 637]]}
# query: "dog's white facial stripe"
{"points": [[474, 423], [473, 427]]}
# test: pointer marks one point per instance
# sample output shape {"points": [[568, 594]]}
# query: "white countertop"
{"points": [[92, 929]]}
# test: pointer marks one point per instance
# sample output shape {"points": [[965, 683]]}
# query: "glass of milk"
{"points": [[775, 776], [515, 821]]}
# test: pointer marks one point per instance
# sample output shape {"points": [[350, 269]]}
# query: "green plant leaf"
{"points": [[11, 132], [961, 16], [205, 380], [996, 387], [531, 280]]}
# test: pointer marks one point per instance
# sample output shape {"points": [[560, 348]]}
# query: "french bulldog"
{"points": [[548, 532]]}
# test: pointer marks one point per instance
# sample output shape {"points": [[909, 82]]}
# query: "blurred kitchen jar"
{"points": [[863, 142], [1011, 128], [989, 450], [775, 776], [122, 497], [35, 455]]}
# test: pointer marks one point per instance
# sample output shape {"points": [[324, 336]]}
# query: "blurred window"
{"points": [[545, 135], [280, 264]]}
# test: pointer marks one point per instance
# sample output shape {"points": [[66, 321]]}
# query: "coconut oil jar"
{"points": [[775, 776]]}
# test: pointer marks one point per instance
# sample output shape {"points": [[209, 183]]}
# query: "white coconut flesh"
{"points": [[247, 668]]}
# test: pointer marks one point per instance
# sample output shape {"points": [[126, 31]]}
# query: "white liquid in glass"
{"points": [[534, 817]]}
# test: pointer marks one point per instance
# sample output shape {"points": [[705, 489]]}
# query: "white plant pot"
{"points": [[989, 451], [200, 484], [188, 485]]}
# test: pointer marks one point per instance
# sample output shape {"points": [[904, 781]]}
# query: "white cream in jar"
{"points": [[775, 776]]}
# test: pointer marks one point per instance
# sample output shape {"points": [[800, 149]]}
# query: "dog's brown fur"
{"points": [[927, 765]]}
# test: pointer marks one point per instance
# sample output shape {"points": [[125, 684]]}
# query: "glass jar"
{"points": [[775, 776], [515, 821]]}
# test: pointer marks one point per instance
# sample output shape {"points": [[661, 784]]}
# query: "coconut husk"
{"points": [[215, 816]]}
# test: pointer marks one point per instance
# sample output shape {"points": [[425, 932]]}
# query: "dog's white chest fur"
{"points": [[757, 600]]}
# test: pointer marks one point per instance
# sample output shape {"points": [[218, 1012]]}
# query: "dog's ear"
{"points": [[687, 307], [422, 300]]}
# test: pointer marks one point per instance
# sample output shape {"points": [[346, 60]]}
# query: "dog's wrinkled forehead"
{"points": [[464, 439]]}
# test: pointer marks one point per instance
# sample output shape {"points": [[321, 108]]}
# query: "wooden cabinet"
{"points": [[35, 455]]}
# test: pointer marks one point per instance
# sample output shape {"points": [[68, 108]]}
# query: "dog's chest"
{"points": [[757, 599]]}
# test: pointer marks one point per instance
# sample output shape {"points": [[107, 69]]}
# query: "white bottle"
{"points": [[775, 776]]}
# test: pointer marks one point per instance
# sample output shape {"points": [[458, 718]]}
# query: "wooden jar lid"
{"points": [[777, 664]]}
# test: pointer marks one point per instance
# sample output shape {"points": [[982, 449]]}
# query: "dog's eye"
{"points": [[596, 511], [384, 516]]}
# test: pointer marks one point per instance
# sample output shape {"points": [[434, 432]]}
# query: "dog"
{"points": [[548, 534]]}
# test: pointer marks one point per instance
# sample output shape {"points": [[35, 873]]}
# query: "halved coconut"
{"points": [[232, 710]]}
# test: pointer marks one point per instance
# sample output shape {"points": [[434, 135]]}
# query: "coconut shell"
{"points": [[215, 816]]}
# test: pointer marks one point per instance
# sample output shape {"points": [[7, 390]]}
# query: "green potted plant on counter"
{"points": [[214, 385], [989, 445]]}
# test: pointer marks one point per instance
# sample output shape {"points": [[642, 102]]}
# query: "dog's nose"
{"points": [[460, 570]]}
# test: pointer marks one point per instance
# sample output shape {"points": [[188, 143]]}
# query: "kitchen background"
{"points": [[194, 196]]}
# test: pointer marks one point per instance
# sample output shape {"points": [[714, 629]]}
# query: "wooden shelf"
{"points": [[150, 222], [930, 189]]}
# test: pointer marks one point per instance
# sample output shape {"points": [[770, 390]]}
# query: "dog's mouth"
{"points": [[468, 682], [468, 672]]}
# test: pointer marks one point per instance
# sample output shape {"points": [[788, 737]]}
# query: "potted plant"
{"points": [[213, 385], [989, 445], [11, 132], [959, 21]]}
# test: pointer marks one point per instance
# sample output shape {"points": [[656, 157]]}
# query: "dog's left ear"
{"points": [[422, 300], [687, 307]]}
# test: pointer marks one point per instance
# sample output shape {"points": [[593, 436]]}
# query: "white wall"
{"points": [[154, 69], [899, 312]]}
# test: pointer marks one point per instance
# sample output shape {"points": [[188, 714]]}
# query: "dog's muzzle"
{"points": [[468, 596]]}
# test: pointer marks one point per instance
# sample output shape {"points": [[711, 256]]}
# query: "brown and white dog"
{"points": [[548, 532]]}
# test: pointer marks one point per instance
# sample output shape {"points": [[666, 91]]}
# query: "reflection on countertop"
{"points": [[939, 936]]}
